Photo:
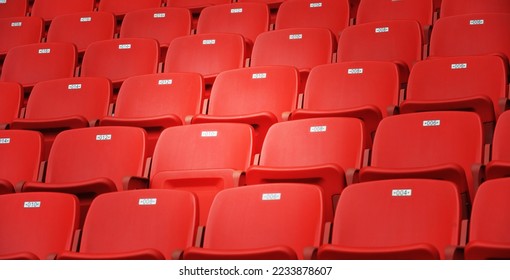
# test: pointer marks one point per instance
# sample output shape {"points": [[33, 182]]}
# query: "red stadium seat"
{"points": [[202, 158], [499, 166], [11, 100], [121, 7], [395, 220], [195, 5], [368, 90], [57, 105], [248, 19], [13, 8], [33, 63], [462, 7], [49, 9], [20, 154], [321, 151], [37, 225], [432, 145], [488, 233], [157, 101], [119, 59], [17, 31], [397, 41], [82, 29], [263, 222], [135, 225], [260, 96]]}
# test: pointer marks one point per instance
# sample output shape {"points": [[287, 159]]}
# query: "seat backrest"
{"points": [[121, 222], [461, 7], [21, 154], [33, 63], [398, 41], [256, 89], [13, 8], [49, 9], [354, 84], [312, 142], [261, 216], [122, 7], [331, 14], [88, 153], [54, 215], [466, 77], [247, 19], [273, 4], [500, 147], [393, 213], [195, 5], [87, 97], [203, 146], [119, 59], [82, 28], [428, 139], [160, 94], [17, 31], [11, 96], [377, 10], [461, 35], [163, 24], [302, 48], [207, 54]]}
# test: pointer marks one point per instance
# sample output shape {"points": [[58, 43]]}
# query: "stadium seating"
{"points": [[20, 154], [82, 29], [195, 6], [140, 224], [273, 221], [121, 7], [17, 31], [57, 105], [368, 90], [488, 233], [33, 63], [11, 100], [157, 101], [462, 7], [37, 225], [119, 59], [49, 9], [433, 145], [261, 96], [13, 8], [499, 166], [323, 151], [395, 220], [397, 41]]}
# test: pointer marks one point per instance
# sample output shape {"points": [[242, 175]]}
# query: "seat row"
{"points": [[391, 219]]}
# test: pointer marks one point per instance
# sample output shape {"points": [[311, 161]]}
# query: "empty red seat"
{"points": [[264, 222], [434, 145], [157, 101], [206, 54], [162, 24], [57, 105], [119, 59], [398, 41], [248, 19], [499, 166], [49, 9], [322, 151], [202, 158], [461, 7], [37, 225], [82, 29], [395, 220], [11, 100], [33, 63], [121, 7], [21, 156], [141, 224], [90, 161], [368, 90], [273, 4], [258, 96], [488, 232], [331, 14], [195, 5], [463, 35], [17, 31], [473, 83], [13, 8]]}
